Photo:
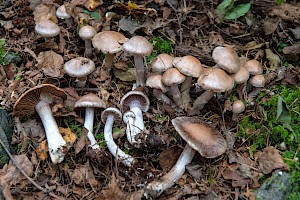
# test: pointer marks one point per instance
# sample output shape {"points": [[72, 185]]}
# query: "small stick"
{"points": [[24, 173]]}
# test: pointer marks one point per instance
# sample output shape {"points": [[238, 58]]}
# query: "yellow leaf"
{"points": [[94, 4], [42, 150], [68, 136]]}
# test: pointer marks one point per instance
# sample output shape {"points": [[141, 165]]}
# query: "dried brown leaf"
{"points": [[168, 158], [51, 63], [72, 97], [127, 76], [68, 136], [270, 25], [42, 150], [287, 12], [43, 11], [81, 142]]}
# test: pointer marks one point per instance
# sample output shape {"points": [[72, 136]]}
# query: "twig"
{"points": [[24, 173]]}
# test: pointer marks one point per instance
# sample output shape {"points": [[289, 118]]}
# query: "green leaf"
{"points": [[222, 7], [95, 15], [237, 11], [283, 114], [279, 2]]}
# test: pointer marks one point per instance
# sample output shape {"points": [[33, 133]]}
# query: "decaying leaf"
{"points": [[287, 12], [81, 142], [293, 49], [68, 136], [273, 59], [270, 25], [127, 76], [168, 158], [42, 150], [72, 97], [51, 63], [43, 11]]}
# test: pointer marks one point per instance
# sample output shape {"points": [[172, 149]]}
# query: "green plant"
{"points": [[2, 52], [75, 128], [227, 9], [160, 45]]}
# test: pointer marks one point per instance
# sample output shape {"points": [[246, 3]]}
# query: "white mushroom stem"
{"points": [[185, 91], [138, 122], [89, 125], [55, 141], [81, 82], [113, 148], [155, 188], [129, 118], [175, 92], [88, 48], [140, 70], [161, 96], [200, 102]]}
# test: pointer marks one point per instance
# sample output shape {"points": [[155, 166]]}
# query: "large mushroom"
{"points": [[162, 63], [79, 68], [90, 102], [87, 33], [109, 43], [200, 137], [139, 47], [226, 58], [37, 99], [110, 116], [136, 102], [47, 29]]}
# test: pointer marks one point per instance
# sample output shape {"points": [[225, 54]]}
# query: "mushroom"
{"points": [[136, 102], [110, 116], [37, 99], [139, 47], [128, 119], [241, 76], [212, 80], [191, 67], [61, 13], [200, 137], [155, 82], [162, 63], [226, 58], [109, 43], [237, 107], [258, 81], [87, 33], [47, 28], [90, 102], [254, 67], [79, 68], [172, 77]]}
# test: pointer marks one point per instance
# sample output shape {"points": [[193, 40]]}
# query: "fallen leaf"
{"points": [[129, 25], [72, 97], [270, 25], [34, 130], [127, 76], [273, 58], [51, 63], [68, 136], [81, 142], [169, 157], [43, 11], [296, 32], [42, 150], [293, 49], [287, 12], [194, 169]]}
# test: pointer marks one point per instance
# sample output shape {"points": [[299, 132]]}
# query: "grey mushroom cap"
{"points": [[254, 67], [62, 13], [87, 32], [138, 45], [47, 28], [111, 111], [90, 100], [200, 136], [226, 58], [172, 76], [188, 65], [258, 80], [241, 76], [108, 41], [162, 62], [238, 106], [135, 96], [79, 67], [155, 81]]}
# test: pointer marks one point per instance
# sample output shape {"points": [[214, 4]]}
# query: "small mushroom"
{"points": [[139, 47], [47, 29], [200, 137], [226, 58], [172, 78], [61, 13], [254, 67], [37, 99], [155, 82], [136, 102], [110, 116], [79, 68], [241, 76], [237, 107], [258, 81], [162, 63], [90, 102], [109, 43], [87, 33]]}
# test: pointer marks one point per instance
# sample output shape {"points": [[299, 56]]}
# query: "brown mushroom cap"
{"points": [[135, 96], [188, 65], [87, 32], [162, 62], [200, 136], [226, 58], [112, 111], [215, 79], [254, 67], [155, 81], [238, 106], [241, 76], [79, 67], [172, 76], [108, 41], [25, 105], [90, 100], [258, 81], [138, 45], [47, 28]]}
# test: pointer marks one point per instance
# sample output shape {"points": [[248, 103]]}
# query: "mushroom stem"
{"points": [[140, 70], [175, 92], [88, 48], [129, 118], [120, 155], [89, 125], [185, 92], [155, 188], [200, 102], [55, 141], [109, 61], [161, 96], [81, 82]]}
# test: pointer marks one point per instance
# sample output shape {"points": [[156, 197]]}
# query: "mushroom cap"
{"points": [[238, 106], [258, 81], [200, 136], [138, 45], [87, 32], [215, 79], [155, 81], [254, 67], [112, 111], [79, 67], [172, 76], [61, 12], [108, 41], [162, 62], [241, 76], [188, 65], [89, 100], [135, 96], [25, 105], [47, 28], [226, 58]]}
